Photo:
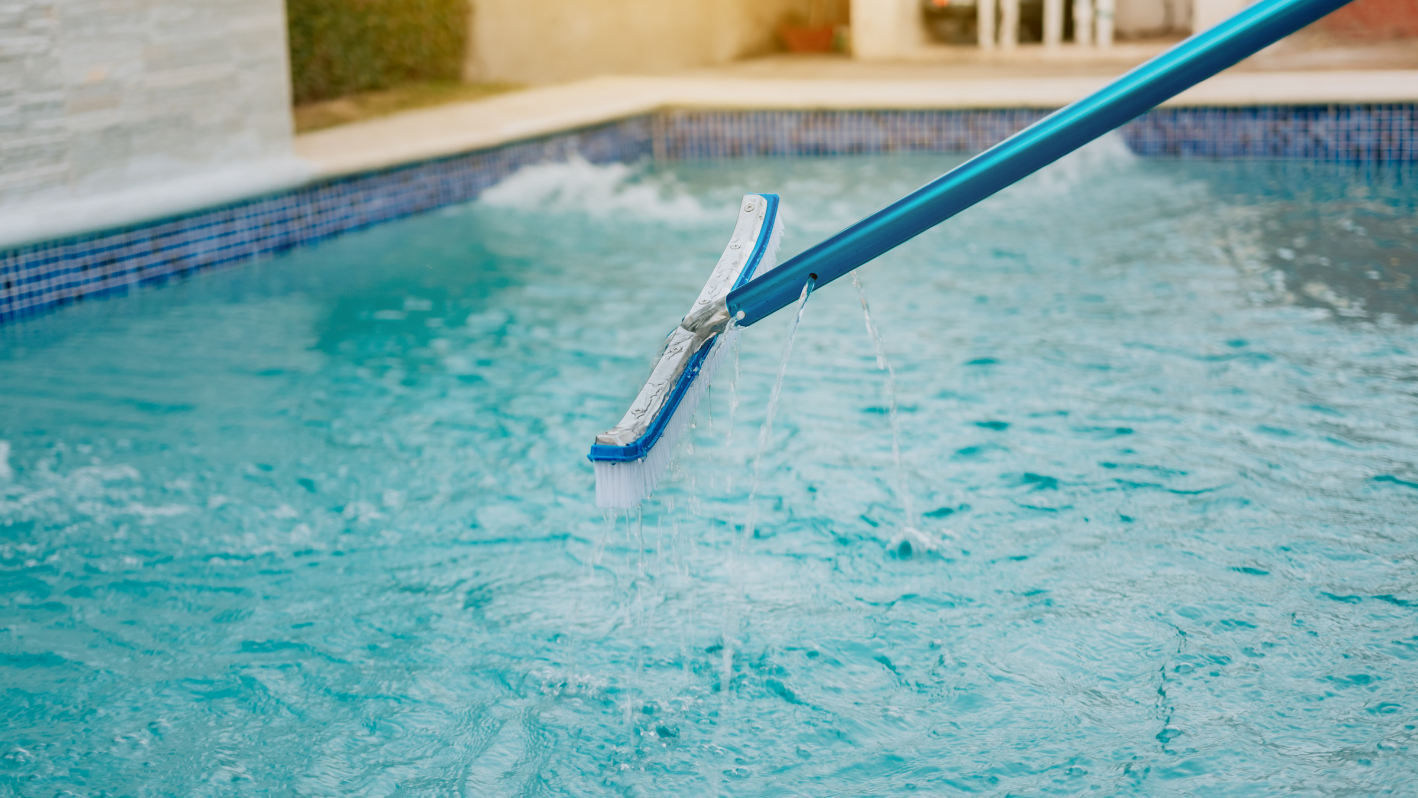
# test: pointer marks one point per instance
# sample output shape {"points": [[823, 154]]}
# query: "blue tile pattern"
{"points": [[1358, 133], [739, 134], [42, 276], [1352, 134]]}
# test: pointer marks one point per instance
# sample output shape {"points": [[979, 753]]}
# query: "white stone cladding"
{"points": [[110, 104]]}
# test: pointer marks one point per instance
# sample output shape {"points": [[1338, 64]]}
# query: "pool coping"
{"points": [[447, 130]]}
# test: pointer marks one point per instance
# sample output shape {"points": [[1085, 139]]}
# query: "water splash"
{"points": [[579, 186], [766, 431], [1105, 156]]}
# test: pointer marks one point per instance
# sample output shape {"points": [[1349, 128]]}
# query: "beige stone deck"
{"points": [[935, 78]]}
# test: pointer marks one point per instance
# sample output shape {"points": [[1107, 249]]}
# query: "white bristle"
{"points": [[621, 486]]}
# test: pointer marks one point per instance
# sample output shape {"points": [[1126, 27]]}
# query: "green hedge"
{"points": [[339, 47]]}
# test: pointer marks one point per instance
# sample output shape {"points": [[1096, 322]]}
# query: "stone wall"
{"points": [[107, 97]]}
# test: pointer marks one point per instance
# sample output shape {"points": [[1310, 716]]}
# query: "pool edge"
{"points": [[39, 277]]}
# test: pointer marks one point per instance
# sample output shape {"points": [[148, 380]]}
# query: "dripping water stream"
{"points": [[903, 490], [734, 618], [766, 431], [733, 387]]}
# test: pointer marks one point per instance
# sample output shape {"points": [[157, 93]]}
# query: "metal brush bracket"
{"points": [[683, 349]]}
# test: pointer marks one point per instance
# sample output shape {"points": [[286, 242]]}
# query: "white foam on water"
{"points": [[579, 186], [96, 492], [918, 540], [1093, 161]]}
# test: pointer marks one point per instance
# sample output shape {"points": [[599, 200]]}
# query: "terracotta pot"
{"points": [[807, 38]]}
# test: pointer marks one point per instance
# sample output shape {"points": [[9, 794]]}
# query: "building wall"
{"points": [[1359, 21], [103, 96], [883, 30], [546, 41], [1142, 18], [1370, 20]]}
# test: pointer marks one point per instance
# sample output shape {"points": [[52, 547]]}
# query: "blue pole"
{"points": [[1024, 153]]}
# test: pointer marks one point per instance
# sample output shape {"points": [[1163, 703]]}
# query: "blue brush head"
{"points": [[630, 458]]}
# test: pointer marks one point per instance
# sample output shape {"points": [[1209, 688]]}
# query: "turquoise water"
{"points": [[323, 525]]}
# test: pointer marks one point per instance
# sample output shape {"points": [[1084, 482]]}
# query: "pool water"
{"points": [[323, 525]]}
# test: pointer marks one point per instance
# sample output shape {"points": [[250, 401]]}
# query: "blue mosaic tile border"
{"points": [[1330, 133], [42, 276], [1357, 133], [693, 135], [38, 277]]}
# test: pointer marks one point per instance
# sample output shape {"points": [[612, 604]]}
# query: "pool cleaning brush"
{"points": [[630, 458]]}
